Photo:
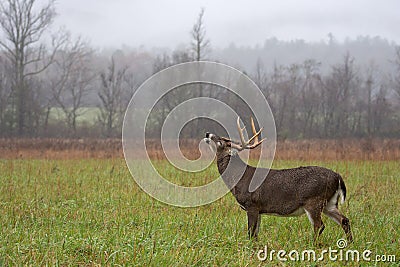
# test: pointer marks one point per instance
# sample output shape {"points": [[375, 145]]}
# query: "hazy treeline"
{"points": [[342, 103], [55, 85], [306, 103]]}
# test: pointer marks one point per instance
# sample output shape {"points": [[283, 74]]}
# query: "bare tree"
{"points": [[23, 24], [309, 97], [260, 77], [199, 47], [370, 83], [161, 62], [397, 74], [173, 97], [5, 96], [295, 83], [110, 94], [338, 95], [200, 44], [73, 77], [380, 111], [281, 96]]}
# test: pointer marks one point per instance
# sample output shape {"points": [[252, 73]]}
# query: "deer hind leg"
{"points": [[253, 223], [340, 219], [314, 215]]}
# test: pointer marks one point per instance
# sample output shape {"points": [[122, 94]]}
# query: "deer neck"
{"points": [[231, 168]]}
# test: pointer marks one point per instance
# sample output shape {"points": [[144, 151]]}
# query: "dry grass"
{"points": [[60, 148], [360, 149]]}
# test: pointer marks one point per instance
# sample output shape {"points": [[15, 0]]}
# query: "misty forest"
{"points": [[56, 84]]}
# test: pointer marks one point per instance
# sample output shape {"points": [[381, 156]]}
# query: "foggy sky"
{"points": [[167, 23]]}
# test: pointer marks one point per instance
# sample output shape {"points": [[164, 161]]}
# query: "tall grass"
{"points": [[91, 212], [53, 148]]}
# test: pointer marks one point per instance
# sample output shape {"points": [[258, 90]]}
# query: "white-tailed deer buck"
{"points": [[289, 192]]}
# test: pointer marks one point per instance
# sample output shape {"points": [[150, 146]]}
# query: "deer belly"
{"points": [[297, 212]]}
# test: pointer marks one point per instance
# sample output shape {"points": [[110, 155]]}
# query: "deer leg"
{"points": [[258, 225], [314, 215], [340, 219], [252, 219]]}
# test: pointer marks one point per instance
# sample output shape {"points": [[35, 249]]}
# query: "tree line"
{"points": [[55, 85]]}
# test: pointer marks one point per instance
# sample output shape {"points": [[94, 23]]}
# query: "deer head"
{"points": [[224, 145]]}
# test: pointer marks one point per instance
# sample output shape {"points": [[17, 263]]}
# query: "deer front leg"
{"points": [[252, 223], [258, 224]]}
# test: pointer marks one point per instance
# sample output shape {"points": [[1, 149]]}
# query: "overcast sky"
{"points": [[167, 23]]}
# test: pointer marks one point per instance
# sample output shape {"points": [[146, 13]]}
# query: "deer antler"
{"points": [[247, 144]]}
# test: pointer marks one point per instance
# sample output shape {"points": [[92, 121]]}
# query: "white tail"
{"points": [[341, 194]]}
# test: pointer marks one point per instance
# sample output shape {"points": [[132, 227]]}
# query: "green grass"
{"points": [[91, 212]]}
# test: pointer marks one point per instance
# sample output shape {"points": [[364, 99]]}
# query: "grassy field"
{"points": [[91, 212]]}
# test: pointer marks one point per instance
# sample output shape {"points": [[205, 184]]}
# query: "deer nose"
{"points": [[207, 135]]}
